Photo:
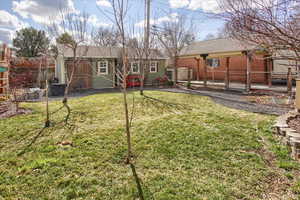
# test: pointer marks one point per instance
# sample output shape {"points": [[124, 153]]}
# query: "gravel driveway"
{"points": [[233, 100]]}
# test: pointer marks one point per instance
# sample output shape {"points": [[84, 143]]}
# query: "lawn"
{"points": [[189, 149]]}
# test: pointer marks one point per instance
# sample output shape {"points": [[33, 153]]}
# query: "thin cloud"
{"points": [[40, 10], [103, 3], [171, 17]]}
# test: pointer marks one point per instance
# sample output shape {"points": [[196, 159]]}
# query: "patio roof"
{"points": [[216, 48]]}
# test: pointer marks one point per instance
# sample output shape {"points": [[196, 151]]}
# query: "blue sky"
{"points": [[16, 14]]}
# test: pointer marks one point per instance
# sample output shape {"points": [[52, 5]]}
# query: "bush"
{"points": [[188, 84]]}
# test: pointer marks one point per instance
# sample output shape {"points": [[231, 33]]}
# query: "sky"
{"points": [[17, 14]]}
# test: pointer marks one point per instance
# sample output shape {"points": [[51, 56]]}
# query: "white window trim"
{"points": [[131, 67], [98, 67], [156, 67]]}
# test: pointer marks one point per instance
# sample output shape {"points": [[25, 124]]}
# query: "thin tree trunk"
{"points": [[175, 71], [127, 122], [289, 82], [39, 84], [143, 79], [47, 122], [147, 41], [65, 99]]}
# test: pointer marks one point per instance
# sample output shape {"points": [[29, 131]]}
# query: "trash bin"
{"points": [[57, 89]]}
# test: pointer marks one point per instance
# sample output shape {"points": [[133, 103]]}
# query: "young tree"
{"points": [[30, 42], [141, 49], [71, 33], [173, 35], [118, 17], [120, 9]]}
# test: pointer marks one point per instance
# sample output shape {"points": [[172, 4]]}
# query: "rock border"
{"points": [[288, 135]]}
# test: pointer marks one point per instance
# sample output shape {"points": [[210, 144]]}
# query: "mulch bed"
{"points": [[294, 123]]}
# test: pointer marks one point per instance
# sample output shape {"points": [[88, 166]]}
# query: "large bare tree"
{"points": [[106, 37], [173, 35], [270, 24]]}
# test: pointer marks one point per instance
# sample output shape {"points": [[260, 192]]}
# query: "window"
{"points": [[102, 67], [153, 67], [213, 62], [135, 67]]}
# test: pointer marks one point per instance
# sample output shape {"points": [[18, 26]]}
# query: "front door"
{"points": [[170, 74]]}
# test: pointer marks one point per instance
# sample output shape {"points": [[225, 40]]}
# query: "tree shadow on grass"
{"points": [[139, 185], [165, 105], [42, 131]]}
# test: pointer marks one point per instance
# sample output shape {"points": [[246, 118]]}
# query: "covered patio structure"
{"points": [[226, 60]]}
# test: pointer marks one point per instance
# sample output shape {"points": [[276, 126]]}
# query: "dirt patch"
{"points": [[10, 113], [294, 123], [271, 99]]}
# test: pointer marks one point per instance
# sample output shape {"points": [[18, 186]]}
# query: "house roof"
{"points": [[92, 52], [106, 52], [215, 46]]}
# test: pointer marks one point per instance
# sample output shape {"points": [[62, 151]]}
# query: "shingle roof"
{"points": [[106, 52], [215, 46], [93, 52]]}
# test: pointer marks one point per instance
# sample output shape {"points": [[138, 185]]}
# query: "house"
{"points": [[225, 60], [283, 60], [5, 55], [98, 67]]}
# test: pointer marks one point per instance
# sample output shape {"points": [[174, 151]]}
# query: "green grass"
{"points": [[195, 150]]}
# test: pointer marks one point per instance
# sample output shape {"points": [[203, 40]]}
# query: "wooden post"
{"points": [[189, 79], [289, 81], [248, 72], [298, 94], [204, 56], [270, 66], [175, 71], [227, 78], [267, 70], [198, 68]]}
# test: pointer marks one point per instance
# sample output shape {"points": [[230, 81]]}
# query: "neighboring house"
{"points": [[98, 66], [224, 57], [5, 55], [283, 60]]}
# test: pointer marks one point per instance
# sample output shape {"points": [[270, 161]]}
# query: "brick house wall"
{"points": [[237, 68]]}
